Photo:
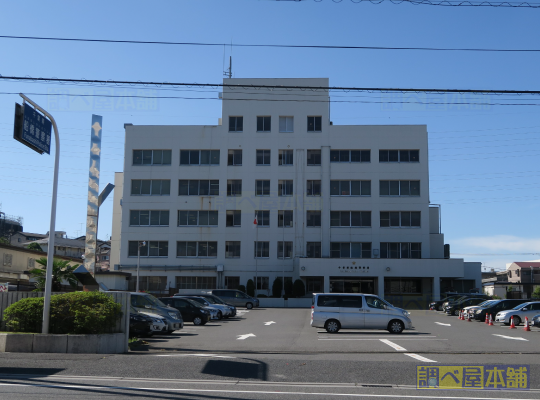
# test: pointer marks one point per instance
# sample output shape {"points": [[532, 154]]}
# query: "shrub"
{"points": [[262, 296], [299, 290], [250, 288], [288, 288], [242, 288], [277, 286], [72, 313], [536, 293]]}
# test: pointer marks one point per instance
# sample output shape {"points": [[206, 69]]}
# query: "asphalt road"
{"points": [[274, 353]]}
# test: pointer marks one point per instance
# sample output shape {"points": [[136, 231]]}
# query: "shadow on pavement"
{"points": [[30, 371], [237, 369]]}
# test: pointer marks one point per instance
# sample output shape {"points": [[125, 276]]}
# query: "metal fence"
{"points": [[122, 298]]}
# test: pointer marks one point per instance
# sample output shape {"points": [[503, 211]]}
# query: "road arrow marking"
{"points": [[269, 323], [194, 355], [440, 323], [243, 337], [510, 337]]}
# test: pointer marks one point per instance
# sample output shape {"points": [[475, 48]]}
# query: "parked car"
{"points": [[223, 310], [236, 298], [472, 309], [139, 324], [159, 323], [495, 307], [455, 308], [191, 311], [212, 299], [438, 305], [535, 321], [463, 297], [335, 311], [519, 313], [145, 302]]}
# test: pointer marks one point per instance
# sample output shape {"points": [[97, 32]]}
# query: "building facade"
{"points": [[276, 190]]}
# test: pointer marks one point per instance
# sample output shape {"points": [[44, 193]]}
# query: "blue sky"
{"points": [[483, 159]]}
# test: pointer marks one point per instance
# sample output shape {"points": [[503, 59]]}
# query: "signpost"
{"points": [[32, 129]]}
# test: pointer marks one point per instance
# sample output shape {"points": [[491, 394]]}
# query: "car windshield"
{"points": [[133, 310], [519, 307], [485, 303], [200, 300], [155, 301], [215, 300]]}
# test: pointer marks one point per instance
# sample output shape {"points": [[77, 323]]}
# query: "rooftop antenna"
{"points": [[228, 72]]}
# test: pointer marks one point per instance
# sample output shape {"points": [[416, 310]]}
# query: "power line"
{"points": [[444, 3], [290, 46], [234, 86]]}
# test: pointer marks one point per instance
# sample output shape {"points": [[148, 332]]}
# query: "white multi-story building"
{"points": [[345, 208]]}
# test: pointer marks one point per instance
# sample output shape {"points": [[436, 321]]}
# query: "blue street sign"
{"points": [[36, 129]]}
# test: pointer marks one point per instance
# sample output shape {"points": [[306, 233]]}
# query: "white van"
{"points": [[334, 311]]}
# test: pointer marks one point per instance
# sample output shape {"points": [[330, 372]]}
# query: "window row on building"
{"points": [[261, 249], [286, 124], [209, 218], [263, 157], [210, 187]]}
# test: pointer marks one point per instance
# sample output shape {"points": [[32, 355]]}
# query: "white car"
{"points": [[471, 309], [519, 313], [159, 324], [214, 312]]}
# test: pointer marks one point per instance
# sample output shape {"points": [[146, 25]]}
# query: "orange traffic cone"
{"points": [[462, 315], [469, 317], [490, 320], [527, 327], [487, 319], [512, 325], [459, 315]]}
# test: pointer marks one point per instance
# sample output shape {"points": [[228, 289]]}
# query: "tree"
{"points": [[62, 271], [299, 290], [536, 293], [34, 246], [288, 288], [277, 286], [250, 288], [4, 240], [242, 288]]}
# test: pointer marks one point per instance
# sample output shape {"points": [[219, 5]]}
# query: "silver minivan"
{"points": [[335, 311], [236, 298]]}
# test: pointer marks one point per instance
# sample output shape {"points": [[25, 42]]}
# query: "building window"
{"points": [[313, 157], [148, 283], [232, 282], [350, 250], [196, 249], [263, 157], [399, 188], [262, 249], [285, 157], [199, 157], [286, 124], [313, 218], [517, 273], [195, 282], [262, 188], [401, 250], [314, 284], [149, 218], [397, 219], [509, 273], [262, 282], [285, 188], [342, 156], [399, 156], [198, 187], [313, 249], [288, 215], [197, 218], [288, 250], [314, 124], [232, 249], [234, 157], [234, 187], [152, 157], [350, 188], [313, 188], [263, 217], [150, 187], [150, 249], [350, 218], [236, 124], [402, 286], [263, 124], [234, 218]]}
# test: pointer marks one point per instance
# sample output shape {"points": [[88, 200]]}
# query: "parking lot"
{"points": [[436, 336]]}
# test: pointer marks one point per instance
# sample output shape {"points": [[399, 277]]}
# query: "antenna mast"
{"points": [[228, 73]]}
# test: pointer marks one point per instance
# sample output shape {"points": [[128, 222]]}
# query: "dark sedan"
{"points": [[190, 310], [139, 325], [455, 308]]}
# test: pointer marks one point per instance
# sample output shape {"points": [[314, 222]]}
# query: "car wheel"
{"points": [[456, 313], [332, 326], [439, 308], [219, 315], [249, 306], [517, 320], [396, 326], [197, 321]]}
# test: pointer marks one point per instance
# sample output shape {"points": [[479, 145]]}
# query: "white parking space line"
{"points": [[440, 323], [395, 346], [191, 355], [376, 339], [244, 337], [269, 323], [510, 337], [419, 358]]}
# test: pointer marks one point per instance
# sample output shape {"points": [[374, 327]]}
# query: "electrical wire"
{"points": [[444, 3]]}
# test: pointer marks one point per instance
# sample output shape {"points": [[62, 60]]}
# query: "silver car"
{"points": [[519, 313], [223, 310]]}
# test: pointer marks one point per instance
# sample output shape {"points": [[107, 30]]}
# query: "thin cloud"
{"points": [[496, 244]]}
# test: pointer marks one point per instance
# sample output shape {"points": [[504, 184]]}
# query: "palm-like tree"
{"points": [[62, 271]]}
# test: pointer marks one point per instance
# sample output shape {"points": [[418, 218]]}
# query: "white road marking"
{"points": [[269, 323], [440, 323], [243, 337], [395, 346], [376, 339], [419, 358], [194, 355], [274, 392], [510, 337]]}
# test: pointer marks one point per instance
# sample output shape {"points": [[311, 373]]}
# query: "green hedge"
{"points": [[71, 313]]}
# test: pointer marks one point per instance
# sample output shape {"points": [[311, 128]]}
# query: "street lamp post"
{"points": [[139, 245]]}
